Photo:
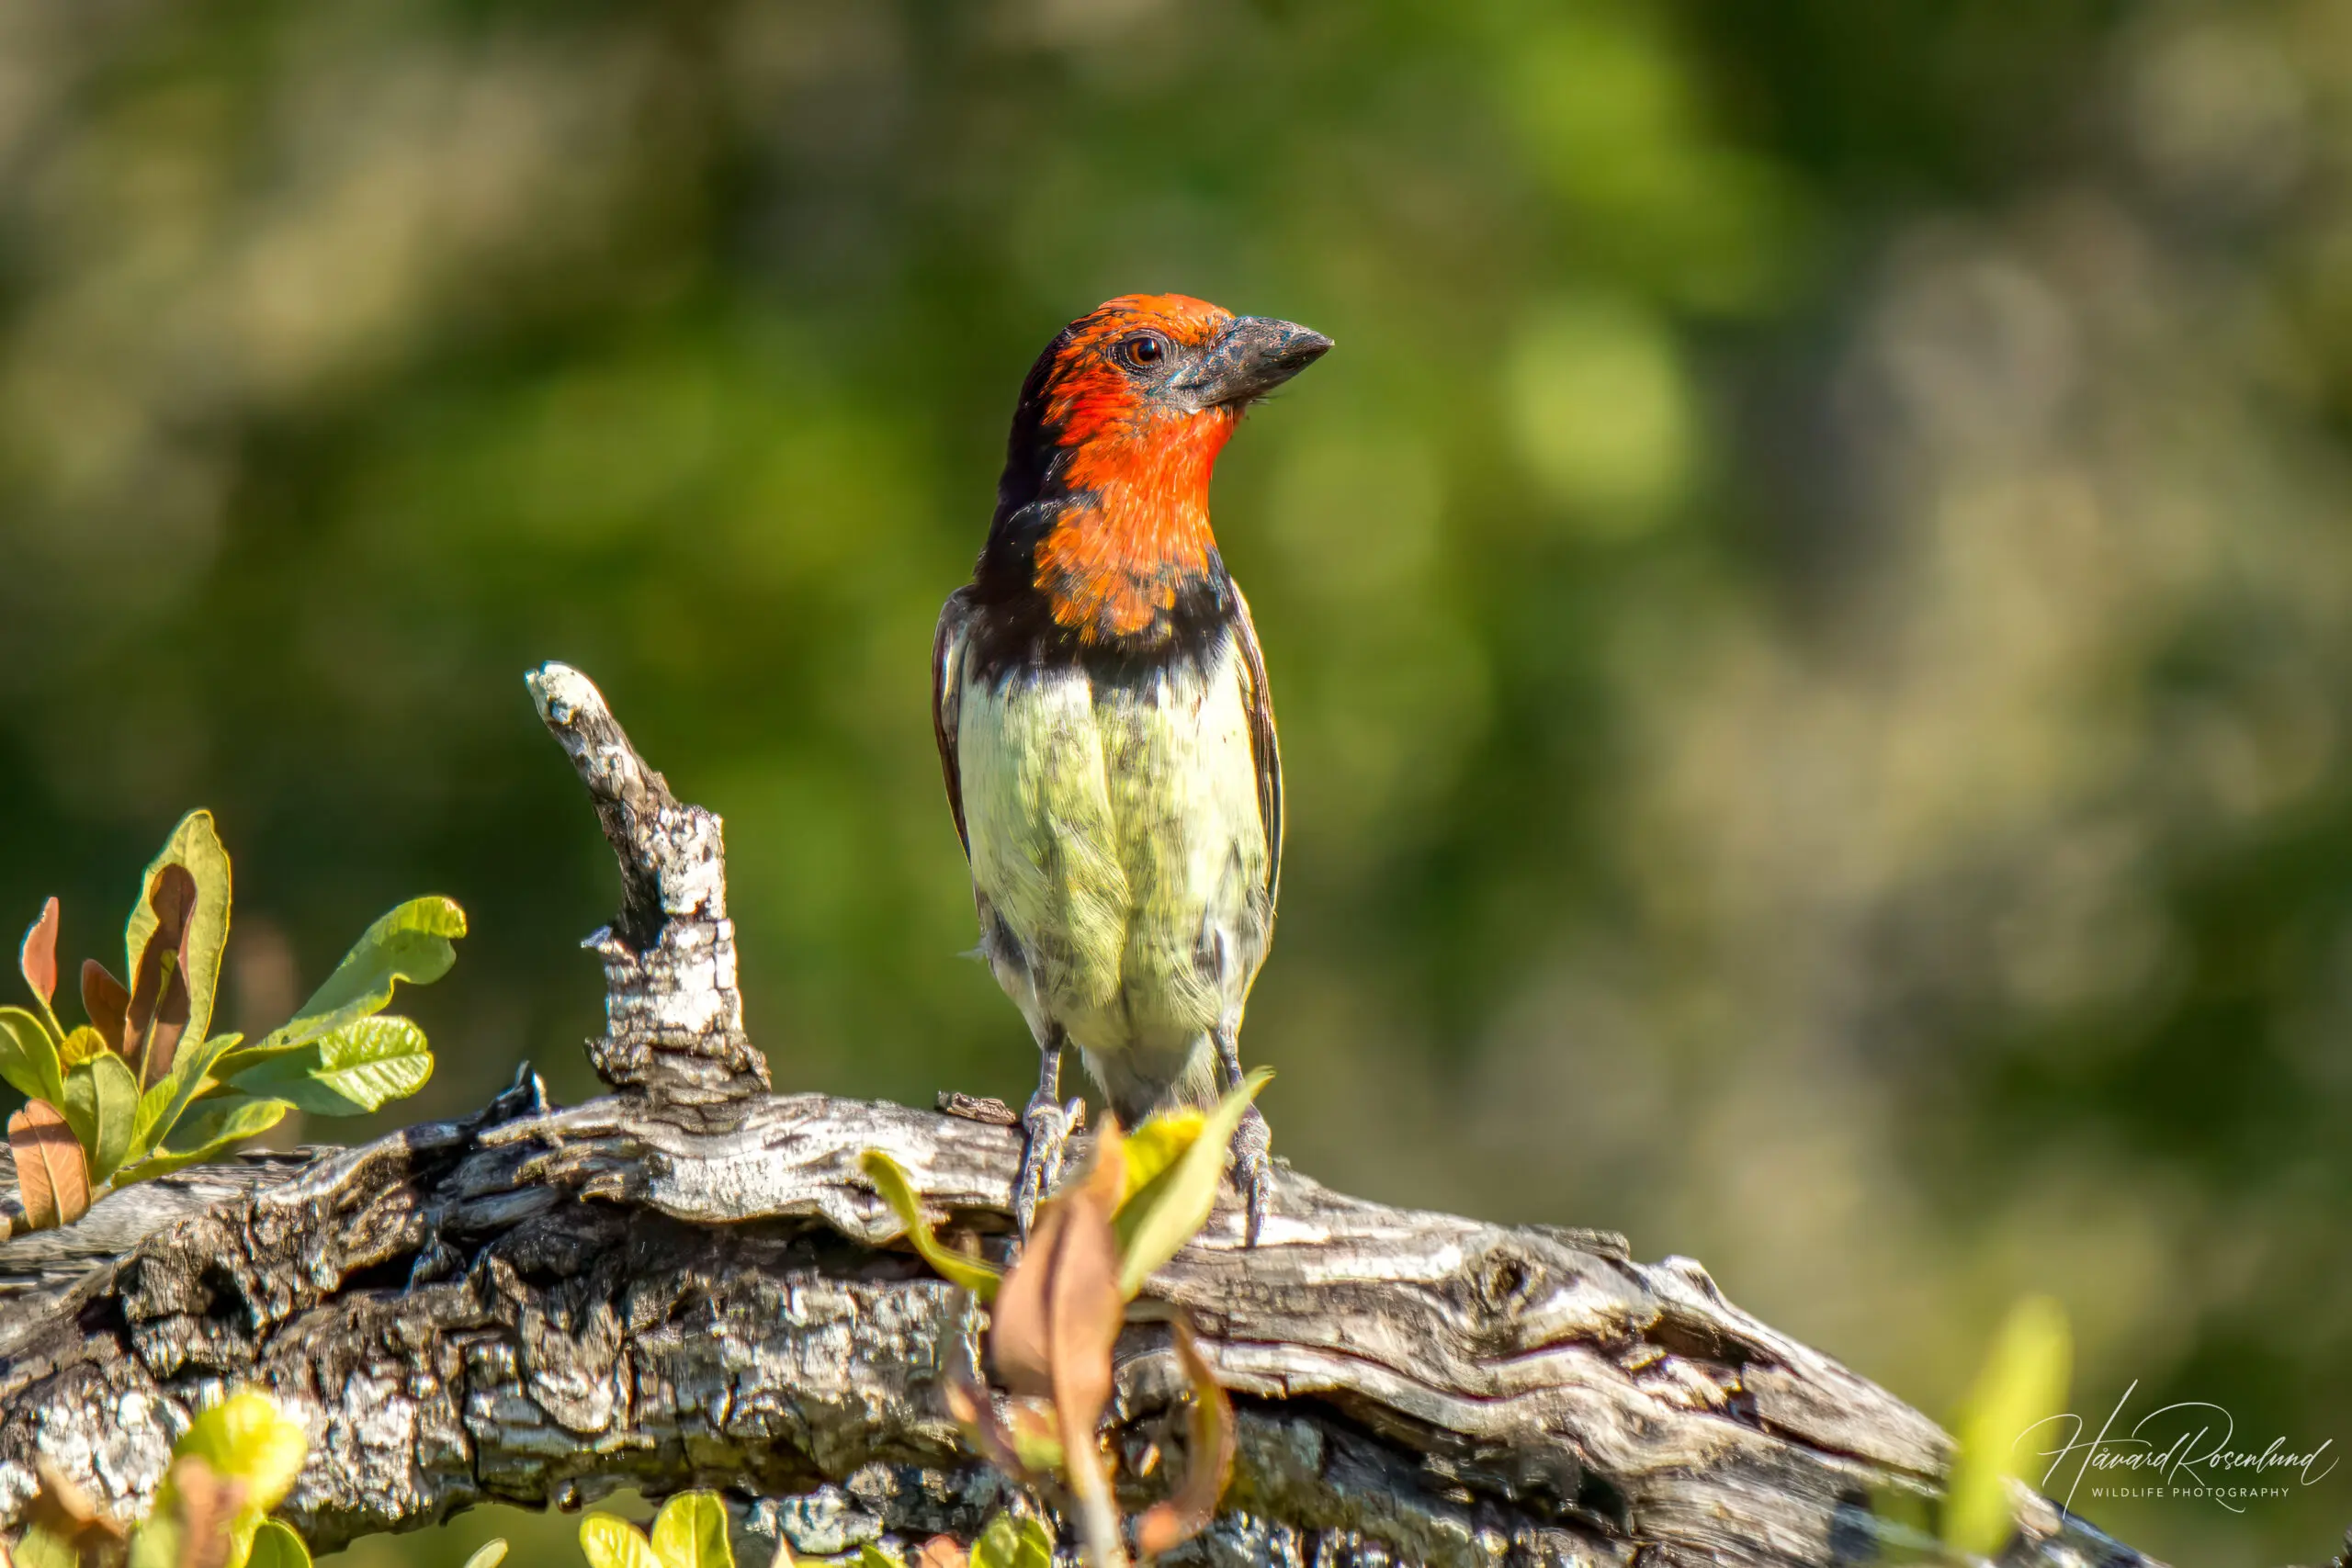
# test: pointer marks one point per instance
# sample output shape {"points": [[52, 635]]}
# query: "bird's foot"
{"points": [[1252, 1170], [1048, 1125]]}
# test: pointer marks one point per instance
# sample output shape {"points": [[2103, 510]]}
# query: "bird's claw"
{"points": [[1048, 1125], [1253, 1172]]}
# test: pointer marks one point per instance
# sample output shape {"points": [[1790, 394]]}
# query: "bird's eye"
{"points": [[1145, 349]]}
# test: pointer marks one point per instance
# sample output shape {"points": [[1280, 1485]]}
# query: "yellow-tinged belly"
{"points": [[1114, 832]]}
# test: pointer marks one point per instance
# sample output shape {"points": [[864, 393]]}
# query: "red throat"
{"points": [[1111, 564], [1137, 531]]}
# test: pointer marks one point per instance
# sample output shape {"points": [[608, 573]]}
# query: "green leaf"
{"points": [[489, 1554], [248, 1438], [980, 1279], [610, 1542], [1158, 1144], [1008, 1543], [348, 1073], [410, 943], [277, 1546], [246, 1442], [80, 1045], [228, 1122], [691, 1532], [1169, 1209], [2023, 1384], [29, 1056], [161, 1106], [195, 846], [101, 1105], [40, 1548], [872, 1556]]}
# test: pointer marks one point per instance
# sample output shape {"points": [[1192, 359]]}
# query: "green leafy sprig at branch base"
{"points": [[144, 1087]]}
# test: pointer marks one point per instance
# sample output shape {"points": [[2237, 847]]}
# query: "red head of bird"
{"points": [[1103, 514]]}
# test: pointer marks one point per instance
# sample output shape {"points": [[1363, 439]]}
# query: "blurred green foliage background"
{"points": [[1811, 609]]}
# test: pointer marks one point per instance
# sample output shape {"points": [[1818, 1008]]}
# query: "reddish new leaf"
{"points": [[159, 1006], [1083, 1306], [941, 1552], [1208, 1459], [969, 1404], [1021, 1320], [39, 957], [105, 998], [50, 1176]]}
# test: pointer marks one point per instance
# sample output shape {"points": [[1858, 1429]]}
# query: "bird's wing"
{"points": [[948, 647], [1264, 748]]}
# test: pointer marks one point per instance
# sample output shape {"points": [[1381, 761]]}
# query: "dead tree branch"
{"points": [[689, 1283]]}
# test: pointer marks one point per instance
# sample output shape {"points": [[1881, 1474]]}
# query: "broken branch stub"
{"points": [[673, 1018]]}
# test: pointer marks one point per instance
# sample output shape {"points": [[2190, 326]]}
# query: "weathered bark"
{"points": [[690, 1283]]}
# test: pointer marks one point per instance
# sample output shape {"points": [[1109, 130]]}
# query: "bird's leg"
{"points": [[1251, 1140], [1047, 1120]]}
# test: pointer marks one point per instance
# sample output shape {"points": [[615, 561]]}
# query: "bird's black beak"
{"points": [[1250, 358]]}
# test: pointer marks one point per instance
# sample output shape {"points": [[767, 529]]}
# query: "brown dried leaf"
{"points": [[38, 959], [50, 1175], [1208, 1459], [105, 1000], [159, 1004]]}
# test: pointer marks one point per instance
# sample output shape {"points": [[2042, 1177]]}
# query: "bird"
{"points": [[1106, 729]]}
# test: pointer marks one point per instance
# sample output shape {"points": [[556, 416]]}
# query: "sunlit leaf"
{"points": [[1046, 1315], [214, 1134], [1157, 1143], [1208, 1458], [1035, 1434], [981, 1278], [691, 1532], [277, 1546], [37, 960], [161, 1106], [80, 1045], [180, 1003], [249, 1438], [1008, 1543], [236, 1461], [200, 1519], [28, 1057], [872, 1556], [52, 1177], [348, 1073], [1169, 1209], [607, 1541], [40, 1548], [2023, 1382], [410, 943], [490, 1553], [974, 1410], [101, 1104]]}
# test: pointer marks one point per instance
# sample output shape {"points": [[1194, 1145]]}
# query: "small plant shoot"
{"points": [[144, 1087], [1056, 1316]]}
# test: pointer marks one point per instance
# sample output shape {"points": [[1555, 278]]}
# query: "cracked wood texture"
{"points": [[689, 1283]]}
